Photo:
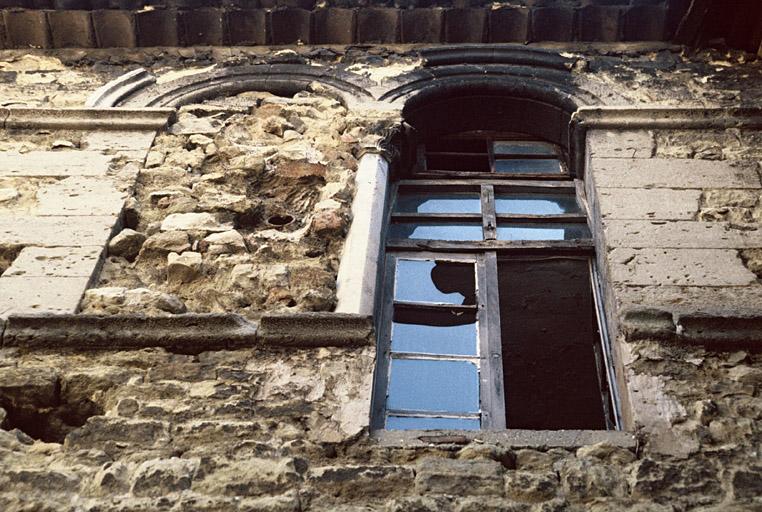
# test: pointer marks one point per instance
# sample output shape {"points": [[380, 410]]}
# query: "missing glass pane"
{"points": [[528, 166], [464, 145], [433, 386], [435, 282], [437, 203], [434, 332], [548, 331], [535, 204], [462, 231], [451, 161], [540, 232], [424, 423]]}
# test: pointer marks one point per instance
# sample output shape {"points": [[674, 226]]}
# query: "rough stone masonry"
{"points": [[240, 204]]}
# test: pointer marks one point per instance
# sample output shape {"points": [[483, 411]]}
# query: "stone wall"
{"points": [[677, 215]]}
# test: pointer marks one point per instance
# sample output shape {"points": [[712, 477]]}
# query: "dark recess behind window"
{"points": [[549, 332]]}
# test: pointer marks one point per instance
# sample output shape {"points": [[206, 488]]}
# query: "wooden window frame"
{"points": [[486, 253]]}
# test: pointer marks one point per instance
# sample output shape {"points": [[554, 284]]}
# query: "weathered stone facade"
{"points": [[237, 202]]}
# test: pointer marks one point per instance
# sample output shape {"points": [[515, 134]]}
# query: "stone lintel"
{"points": [[86, 118], [539, 439]]}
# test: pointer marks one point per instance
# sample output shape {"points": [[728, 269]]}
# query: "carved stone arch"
{"points": [[141, 89]]}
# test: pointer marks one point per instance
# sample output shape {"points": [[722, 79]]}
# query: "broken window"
{"points": [[491, 310]]}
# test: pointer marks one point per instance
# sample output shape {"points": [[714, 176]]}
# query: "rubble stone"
{"points": [[126, 244], [183, 268]]}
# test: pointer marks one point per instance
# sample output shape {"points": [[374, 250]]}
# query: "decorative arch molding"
{"points": [[140, 88]]}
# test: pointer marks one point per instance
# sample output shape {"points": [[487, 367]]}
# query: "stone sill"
{"points": [[514, 438], [185, 334]]}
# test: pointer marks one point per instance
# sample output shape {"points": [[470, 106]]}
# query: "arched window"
{"points": [[491, 316]]}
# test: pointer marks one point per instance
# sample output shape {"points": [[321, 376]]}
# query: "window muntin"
{"points": [[481, 154], [539, 213]]}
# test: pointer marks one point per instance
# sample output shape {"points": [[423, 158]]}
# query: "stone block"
{"points": [[194, 222], [672, 173], [114, 28], [58, 231], [157, 28], [621, 144], [731, 299], [459, 477], [291, 26], [28, 387], [509, 24], [26, 29], [683, 234], [599, 23], [655, 203], [335, 26], [54, 163], [203, 27], [421, 26], [247, 27], [118, 140], [80, 195], [378, 25], [101, 429], [353, 482], [678, 267], [552, 24], [465, 25], [55, 262], [33, 295], [530, 486], [71, 29], [644, 23], [250, 477], [157, 477]]}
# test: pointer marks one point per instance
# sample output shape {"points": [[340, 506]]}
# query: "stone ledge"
{"points": [[316, 330], [86, 118], [715, 330], [538, 439], [184, 334]]}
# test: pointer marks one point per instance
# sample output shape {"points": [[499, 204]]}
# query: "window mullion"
{"points": [[489, 222], [490, 350]]}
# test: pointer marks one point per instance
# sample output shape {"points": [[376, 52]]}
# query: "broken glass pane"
{"points": [[435, 386], [528, 166], [535, 204], [524, 148], [421, 423], [434, 332], [437, 203], [435, 281], [538, 232], [436, 231], [457, 162]]}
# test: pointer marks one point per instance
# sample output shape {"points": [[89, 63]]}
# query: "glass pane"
{"points": [[438, 203], [524, 147], [529, 166], [436, 231], [435, 281], [437, 386], [542, 231], [536, 204], [418, 423], [434, 332]]}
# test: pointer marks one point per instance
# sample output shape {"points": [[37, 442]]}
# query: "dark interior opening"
{"points": [[549, 337]]}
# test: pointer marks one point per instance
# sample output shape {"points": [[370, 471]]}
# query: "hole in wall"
{"points": [[280, 220], [47, 418]]}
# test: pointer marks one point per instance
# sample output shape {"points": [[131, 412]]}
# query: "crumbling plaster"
{"points": [[270, 428]]}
